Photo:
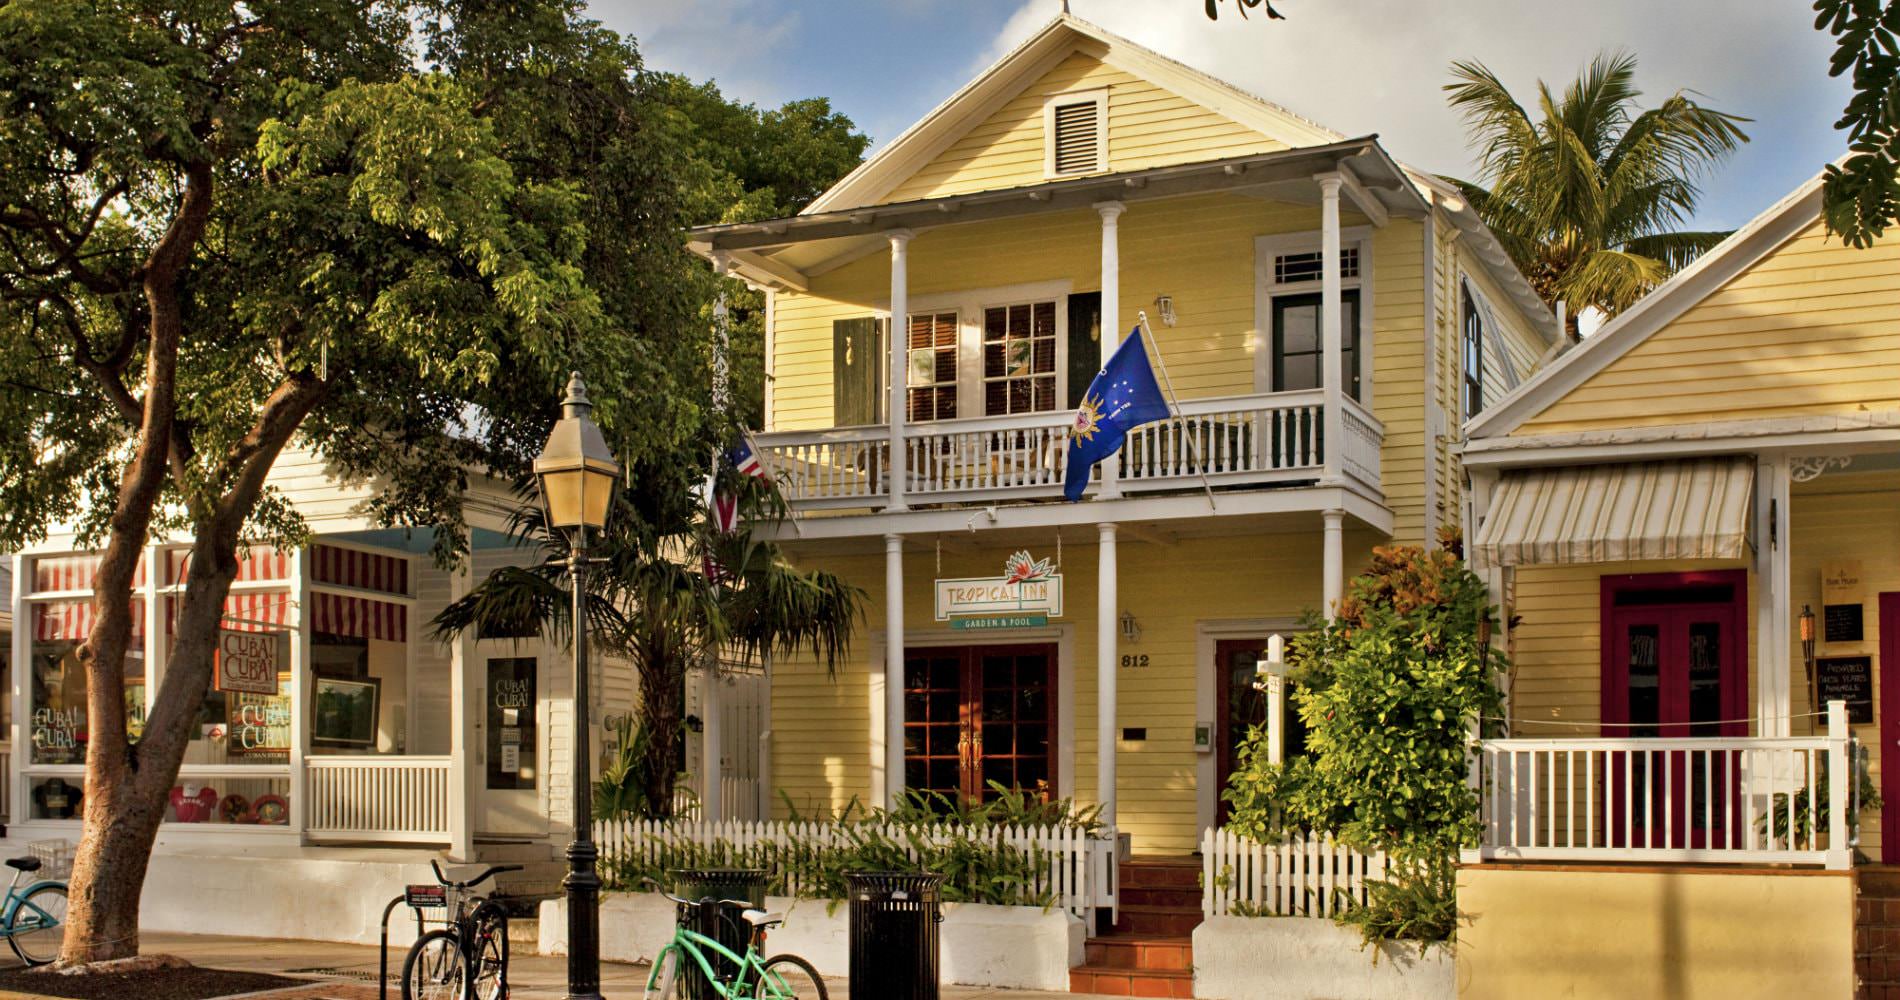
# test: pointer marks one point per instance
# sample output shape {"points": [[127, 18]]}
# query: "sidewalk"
{"points": [[350, 970]]}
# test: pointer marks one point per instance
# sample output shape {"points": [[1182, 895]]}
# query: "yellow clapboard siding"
{"points": [[1813, 328], [1147, 127]]}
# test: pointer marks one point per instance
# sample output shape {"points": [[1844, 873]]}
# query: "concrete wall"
{"points": [[1311, 958], [339, 897], [1018, 947], [1628, 934]]}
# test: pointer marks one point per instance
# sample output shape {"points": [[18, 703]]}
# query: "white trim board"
{"points": [[1746, 247]]}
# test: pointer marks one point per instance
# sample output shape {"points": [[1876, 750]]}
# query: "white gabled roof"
{"points": [[1743, 249], [996, 86]]}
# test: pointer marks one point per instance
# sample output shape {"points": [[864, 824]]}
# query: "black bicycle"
{"points": [[467, 958]]}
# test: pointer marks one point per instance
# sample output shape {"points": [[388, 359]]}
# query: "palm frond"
{"points": [[1676, 250], [1612, 280]]}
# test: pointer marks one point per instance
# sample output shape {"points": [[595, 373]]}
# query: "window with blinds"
{"points": [[932, 378], [1075, 131], [1019, 358]]}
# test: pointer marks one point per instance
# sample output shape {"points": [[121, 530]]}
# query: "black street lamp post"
{"points": [[577, 473]]}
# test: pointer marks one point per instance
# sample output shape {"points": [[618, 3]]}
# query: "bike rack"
{"points": [[382, 983]]}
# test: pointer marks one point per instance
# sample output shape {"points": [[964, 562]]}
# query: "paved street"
{"points": [[350, 970]]}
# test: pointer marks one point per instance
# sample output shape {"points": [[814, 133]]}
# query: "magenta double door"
{"points": [[1674, 656]]}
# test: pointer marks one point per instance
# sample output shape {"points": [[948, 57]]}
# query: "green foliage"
{"points": [[925, 833], [1415, 902], [1862, 195], [1390, 692], [1587, 197], [1807, 823], [620, 792]]}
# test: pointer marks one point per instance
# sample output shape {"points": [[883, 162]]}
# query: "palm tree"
{"points": [[669, 592], [1588, 199]]}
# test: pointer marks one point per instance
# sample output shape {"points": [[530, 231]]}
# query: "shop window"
{"points": [[57, 694], [359, 694], [230, 801]]}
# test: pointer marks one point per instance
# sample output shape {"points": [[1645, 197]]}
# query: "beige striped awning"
{"points": [[1692, 508]]}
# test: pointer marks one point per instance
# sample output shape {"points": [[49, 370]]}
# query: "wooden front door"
{"points": [[1240, 707], [974, 715], [1890, 726], [1673, 667]]}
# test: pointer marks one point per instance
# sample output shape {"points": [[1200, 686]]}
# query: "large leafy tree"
{"points": [[1587, 195], [384, 230], [1862, 195]]}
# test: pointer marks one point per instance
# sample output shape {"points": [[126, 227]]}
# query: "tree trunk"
{"points": [[662, 702]]}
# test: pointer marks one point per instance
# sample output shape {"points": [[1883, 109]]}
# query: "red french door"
{"points": [[974, 715], [1673, 667]]}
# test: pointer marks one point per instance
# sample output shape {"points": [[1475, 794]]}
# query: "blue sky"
{"points": [[1358, 66]]}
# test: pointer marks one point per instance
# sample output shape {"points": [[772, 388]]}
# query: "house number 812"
{"points": [[1136, 660]]}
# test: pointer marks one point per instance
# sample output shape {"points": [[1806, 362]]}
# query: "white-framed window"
{"points": [[1075, 133], [932, 368], [1019, 358], [1289, 350], [1471, 322]]}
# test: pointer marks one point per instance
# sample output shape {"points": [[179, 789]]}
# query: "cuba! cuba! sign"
{"points": [[249, 661]]}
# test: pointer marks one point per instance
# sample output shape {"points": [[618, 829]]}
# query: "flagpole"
{"points": [[1194, 451]]}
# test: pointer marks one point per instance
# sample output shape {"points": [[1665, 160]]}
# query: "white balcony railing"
{"points": [[1264, 438], [1724, 799], [380, 799]]}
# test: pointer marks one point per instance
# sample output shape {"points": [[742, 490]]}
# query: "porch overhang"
{"points": [[780, 253], [1696, 508]]}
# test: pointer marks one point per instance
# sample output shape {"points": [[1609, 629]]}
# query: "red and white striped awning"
{"points": [[71, 621], [359, 617], [259, 563], [359, 570], [74, 572], [265, 611]]}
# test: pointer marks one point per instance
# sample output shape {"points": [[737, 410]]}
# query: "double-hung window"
{"points": [[932, 378], [1019, 358], [1473, 325]]}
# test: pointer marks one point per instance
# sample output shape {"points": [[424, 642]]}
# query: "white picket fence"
{"points": [[1304, 875], [1068, 868]]}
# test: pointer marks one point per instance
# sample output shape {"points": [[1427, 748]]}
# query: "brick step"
{"points": [[1157, 921], [1130, 982], [1160, 874], [1175, 898], [1150, 954], [1884, 879]]}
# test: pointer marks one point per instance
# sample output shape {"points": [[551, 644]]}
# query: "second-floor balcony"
{"points": [[1262, 439]]}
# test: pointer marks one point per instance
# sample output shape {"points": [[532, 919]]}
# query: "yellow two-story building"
{"points": [[1013, 237]]}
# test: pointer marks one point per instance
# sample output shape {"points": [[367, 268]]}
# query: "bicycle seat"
{"points": [[760, 918], [24, 864]]}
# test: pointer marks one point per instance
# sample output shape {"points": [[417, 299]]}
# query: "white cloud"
{"points": [[736, 45], [1378, 65]]}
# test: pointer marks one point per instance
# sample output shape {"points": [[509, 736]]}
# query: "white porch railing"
{"points": [[1072, 870], [1304, 875], [382, 799], [1261, 438], [1683, 800]]}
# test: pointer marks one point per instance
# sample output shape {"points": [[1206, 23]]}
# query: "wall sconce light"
{"points": [[694, 724], [1131, 629], [1165, 306]]}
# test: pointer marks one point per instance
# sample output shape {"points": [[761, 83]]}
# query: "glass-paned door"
{"points": [[979, 715], [1298, 348], [1243, 707], [1675, 670]]}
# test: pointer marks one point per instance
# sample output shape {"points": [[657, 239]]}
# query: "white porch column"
{"points": [[1330, 337], [900, 370], [1773, 582], [893, 668], [1111, 213], [464, 773], [1106, 585], [1333, 557]]}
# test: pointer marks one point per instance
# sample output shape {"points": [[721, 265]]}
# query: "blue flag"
{"points": [[1123, 396]]}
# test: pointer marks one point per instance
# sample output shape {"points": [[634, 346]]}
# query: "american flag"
{"points": [[743, 458]]}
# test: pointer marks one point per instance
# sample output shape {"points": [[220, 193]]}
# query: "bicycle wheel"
{"points": [[37, 927], [435, 968], [491, 952], [663, 982], [788, 977]]}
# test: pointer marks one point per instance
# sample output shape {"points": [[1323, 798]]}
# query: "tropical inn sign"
{"points": [[1027, 594]]}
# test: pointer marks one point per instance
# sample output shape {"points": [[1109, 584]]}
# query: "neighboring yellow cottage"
{"points": [[1021, 229], [1695, 518]]}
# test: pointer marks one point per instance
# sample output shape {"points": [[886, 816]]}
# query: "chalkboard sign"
{"points": [[1843, 623], [1849, 679]]}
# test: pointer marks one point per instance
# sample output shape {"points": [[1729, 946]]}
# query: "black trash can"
{"points": [[722, 924], [894, 942]]}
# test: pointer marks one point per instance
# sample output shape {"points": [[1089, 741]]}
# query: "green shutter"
{"points": [[1085, 343], [857, 367]]}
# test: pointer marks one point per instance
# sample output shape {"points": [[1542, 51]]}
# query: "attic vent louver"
{"points": [[1076, 132]]}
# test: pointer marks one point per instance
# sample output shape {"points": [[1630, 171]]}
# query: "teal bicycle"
{"points": [[34, 919], [749, 976]]}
